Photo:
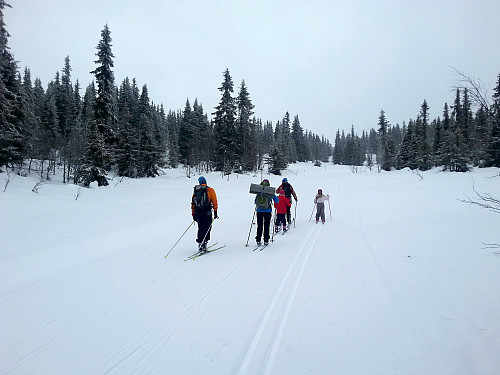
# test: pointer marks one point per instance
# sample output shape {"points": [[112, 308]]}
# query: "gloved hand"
{"points": [[215, 215], [194, 218]]}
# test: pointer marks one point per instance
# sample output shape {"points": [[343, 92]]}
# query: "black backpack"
{"points": [[288, 189], [200, 200]]}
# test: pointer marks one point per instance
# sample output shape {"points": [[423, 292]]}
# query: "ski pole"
{"points": [[314, 207], [295, 213], [330, 208], [208, 230], [273, 223], [180, 238], [251, 225]]}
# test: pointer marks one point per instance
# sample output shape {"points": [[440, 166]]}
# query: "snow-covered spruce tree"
{"points": [[173, 152], [443, 149], [298, 140], [247, 142], [408, 151], [149, 152], [87, 114], [353, 154], [493, 149], [50, 137], [338, 149], [98, 156], [203, 137], [105, 105], [29, 121], [67, 113], [384, 157], [76, 140], [482, 130], [127, 136], [38, 104], [226, 152], [277, 159], [437, 140], [11, 142], [459, 152], [126, 150], [424, 156], [187, 137]]}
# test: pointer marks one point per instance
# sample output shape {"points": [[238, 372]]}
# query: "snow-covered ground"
{"points": [[398, 282]]}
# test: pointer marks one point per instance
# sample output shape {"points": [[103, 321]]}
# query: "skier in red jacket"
{"points": [[281, 210]]}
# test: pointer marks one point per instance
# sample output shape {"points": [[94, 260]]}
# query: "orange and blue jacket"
{"points": [[212, 197]]}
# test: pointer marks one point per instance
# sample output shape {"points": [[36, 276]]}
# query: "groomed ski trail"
{"points": [[262, 350]]}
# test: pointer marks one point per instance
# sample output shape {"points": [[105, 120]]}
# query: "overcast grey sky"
{"points": [[334, 63]]}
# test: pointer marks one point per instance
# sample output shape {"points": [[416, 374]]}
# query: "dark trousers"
{"points": [[280, 219], [204, 227], [263, 222], [288, 211]]}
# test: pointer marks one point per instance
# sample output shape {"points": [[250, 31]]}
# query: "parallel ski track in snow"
{"points": [[387, 290], [137, 357], [28, 287], [263, 349]]}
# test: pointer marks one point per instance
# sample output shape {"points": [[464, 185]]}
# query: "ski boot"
{"points": [[202, 247]]}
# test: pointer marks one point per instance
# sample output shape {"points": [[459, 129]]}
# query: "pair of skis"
{"points": [[210, 249], [261, 247], [214, 247], [288, 227]]}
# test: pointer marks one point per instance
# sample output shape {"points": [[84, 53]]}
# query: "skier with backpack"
{"points": [[263, 207], [289, 192], [203, 201]]}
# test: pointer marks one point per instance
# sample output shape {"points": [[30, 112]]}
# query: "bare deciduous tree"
{"points": [[478, 94], [488, 202]]}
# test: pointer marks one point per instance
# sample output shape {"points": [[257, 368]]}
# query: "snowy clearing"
{"points": [[398, 282]]}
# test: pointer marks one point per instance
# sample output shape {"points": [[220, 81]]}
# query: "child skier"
{"points": [[320, 200], [281, 210]]}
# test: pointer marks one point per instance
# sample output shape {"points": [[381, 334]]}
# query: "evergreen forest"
{"points": [[84, 134]]}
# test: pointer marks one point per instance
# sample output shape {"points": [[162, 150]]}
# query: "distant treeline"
{"points": [[457, 141]]}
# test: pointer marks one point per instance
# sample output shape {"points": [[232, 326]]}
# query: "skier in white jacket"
{"points": [[320, 200]]}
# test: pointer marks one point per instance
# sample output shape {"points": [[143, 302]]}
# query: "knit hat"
{"points": [[265, 182], [282, 192], [284, 180], [202, 180]]}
